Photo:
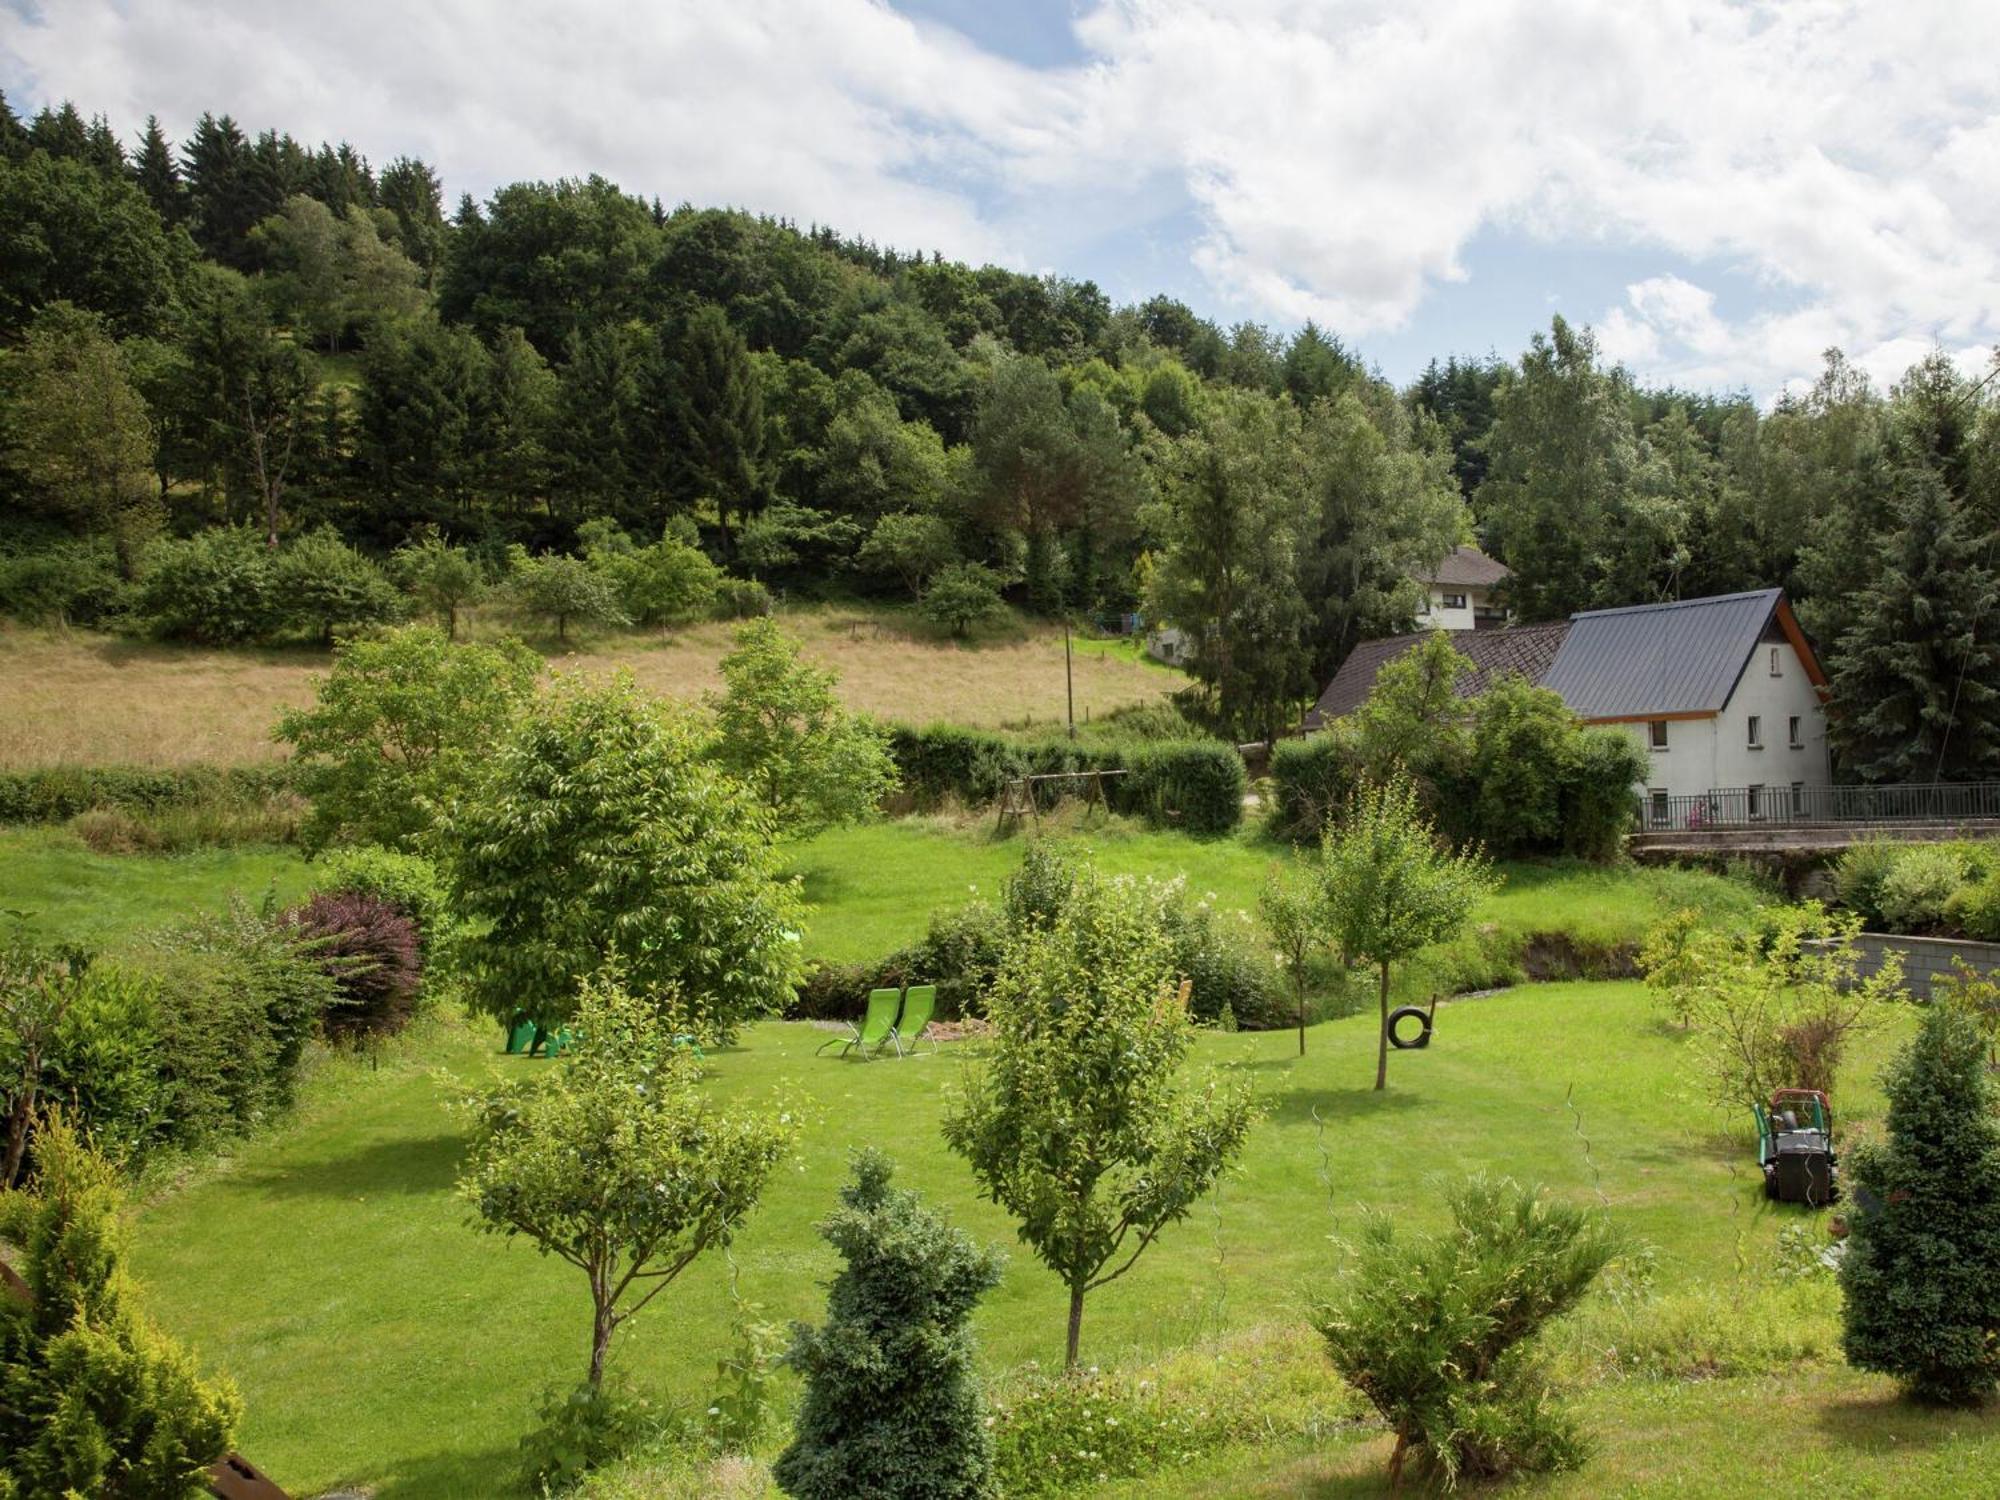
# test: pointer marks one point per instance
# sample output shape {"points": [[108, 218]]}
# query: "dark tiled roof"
{"points": [[1526, 649], [1654, 659], [1467, 567]]}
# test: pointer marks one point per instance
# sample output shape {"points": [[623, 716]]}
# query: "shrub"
{"points": [[1311, 780], [369, 948], [892, 1406], [1062, 1435], [75, 583], [1215, 953], [1142, 723], [1196, 785], [218, 822], [1921, 881], [57, 793], [97, 1401], [668, 583], [1435, 1330], [1974, 909], [216, 588], [579, 1431], [1922, 1270], [407, 881], [943, 762], [1858, 876], [325, 588], [1597, 776], [741, 599]]}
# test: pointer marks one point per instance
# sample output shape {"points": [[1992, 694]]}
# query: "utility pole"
{"points": [[1069, 678]]}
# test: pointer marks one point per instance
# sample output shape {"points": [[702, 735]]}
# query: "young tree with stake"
{"points": [[1082, 1126], [1392, 887]]}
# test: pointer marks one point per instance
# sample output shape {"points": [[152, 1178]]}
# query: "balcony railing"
{"points": [[1830, 806]]}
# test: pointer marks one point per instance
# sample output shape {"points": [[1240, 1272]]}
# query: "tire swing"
{"points": [[1411, 1042]]}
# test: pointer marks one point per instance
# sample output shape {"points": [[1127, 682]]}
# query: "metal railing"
{"points": [[1844, 806]]}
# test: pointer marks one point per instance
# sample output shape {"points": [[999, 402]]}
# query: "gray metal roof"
{"points": [[1651, 660]]}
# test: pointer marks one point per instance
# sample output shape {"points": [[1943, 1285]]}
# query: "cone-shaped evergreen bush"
{"points": [[891, 1408], [93, 1400], [1922, 1271]]}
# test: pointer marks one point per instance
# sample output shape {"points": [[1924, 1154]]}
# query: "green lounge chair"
{"points": [[877, 1027], [919, 1000]]}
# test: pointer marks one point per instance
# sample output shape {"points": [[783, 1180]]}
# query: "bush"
{"points": [[1435, 1330], [58, 793], [1599, 770], [1227, 970], [1065, 1434], [216, 588], [1922, 1270], [1858, 876], [220, 822], [1921, 881], [892, 1406], [1974, 909], [97, 1401], [1196, 785], [668, 583], [369, 948], [579, 1431], [1311, 780], [962, 596], [325, 588], [409, 882], [943, 762], [741, 599], [75, 583]]}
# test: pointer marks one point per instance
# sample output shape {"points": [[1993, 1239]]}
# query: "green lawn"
{"points": [[101, 900], [378, 1340]]}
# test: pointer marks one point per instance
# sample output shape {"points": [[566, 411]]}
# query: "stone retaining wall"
{"points": [[1925, 957]]}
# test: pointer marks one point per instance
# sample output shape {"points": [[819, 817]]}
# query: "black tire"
{"points": [[1411, 1013]]}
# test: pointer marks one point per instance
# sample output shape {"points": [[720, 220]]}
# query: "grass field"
{"points": [[79, 698], [378, 1340]]}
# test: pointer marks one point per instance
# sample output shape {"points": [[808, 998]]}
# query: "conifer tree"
{"points": [[714, 411], [93, 1399], [892, 1407], [157, 174], [1917, 673], [13, 135], [1922, 1272]]}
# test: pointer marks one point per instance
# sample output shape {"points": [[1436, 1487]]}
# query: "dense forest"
{"points": [[240, 372]]}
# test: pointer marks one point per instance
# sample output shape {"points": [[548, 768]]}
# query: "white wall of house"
{"points": [[1705, 754], [1452, 608]]}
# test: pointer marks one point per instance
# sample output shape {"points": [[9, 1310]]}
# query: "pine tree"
{"points": [[892, 1407], [714, 417], [222, 207], [1917, 674], [60, 132], [101, 148], [157, 173], [14, 143], [1922, 1273]]}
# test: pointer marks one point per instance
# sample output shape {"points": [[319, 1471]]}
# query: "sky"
{"points": [[1722, 190]]}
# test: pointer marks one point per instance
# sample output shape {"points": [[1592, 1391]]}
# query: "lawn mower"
{"points": [[1795, 1148]]}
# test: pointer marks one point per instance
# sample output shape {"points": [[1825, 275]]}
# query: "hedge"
{"points": [[56, 793], [1311, 779], [1196, 785]]}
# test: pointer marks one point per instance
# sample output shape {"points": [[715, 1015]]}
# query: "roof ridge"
{"points": [[1666, 604]]}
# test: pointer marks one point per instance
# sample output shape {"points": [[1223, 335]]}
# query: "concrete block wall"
{"points": [[1924, 958]]}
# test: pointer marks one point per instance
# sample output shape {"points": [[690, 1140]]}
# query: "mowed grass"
{"points": [[380, 1341], [76, 698]]}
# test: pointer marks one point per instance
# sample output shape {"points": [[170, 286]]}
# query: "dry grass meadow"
{"points": [[75, 698]]}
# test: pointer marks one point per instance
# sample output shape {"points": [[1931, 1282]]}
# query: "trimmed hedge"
{"points": [[1311, 779], [54, 794], [1196, 785]]}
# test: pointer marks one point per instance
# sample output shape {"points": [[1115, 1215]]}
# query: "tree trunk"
{"points": [[601, 1327], [1382, 1041], [1075, 1326], [17, 1136], [1396, 1461], [1302, 1020]]}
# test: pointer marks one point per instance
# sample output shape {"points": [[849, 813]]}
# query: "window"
{"points": [[1756, 741], [1777, 663], [1656, 734], [1794, 728], [1658, 798], [1798, 799], [1454, 601], [1753, 800]]}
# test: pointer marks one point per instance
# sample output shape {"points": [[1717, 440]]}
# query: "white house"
{"points": [[1723, 694], [1462, 592]]}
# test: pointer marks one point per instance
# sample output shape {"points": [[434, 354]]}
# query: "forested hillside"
{"points": [[250, 385]]}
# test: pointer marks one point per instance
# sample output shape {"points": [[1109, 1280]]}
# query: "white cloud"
{"points": [[1339, 157]]}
